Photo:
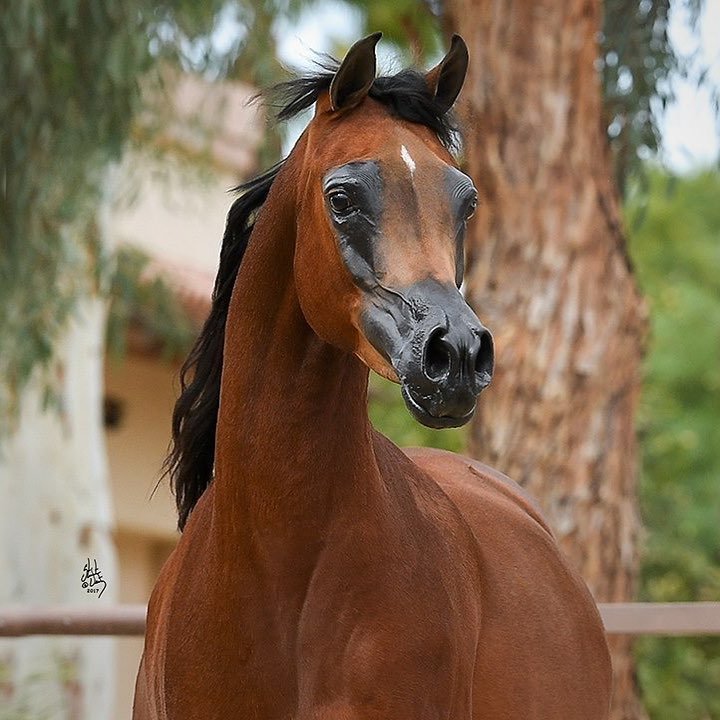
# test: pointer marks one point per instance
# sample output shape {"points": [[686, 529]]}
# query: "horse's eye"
{"points": [[471, 208], [340, 202]]}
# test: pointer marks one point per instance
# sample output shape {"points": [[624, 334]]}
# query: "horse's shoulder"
{"points": [[528, 589], [469, 481]]}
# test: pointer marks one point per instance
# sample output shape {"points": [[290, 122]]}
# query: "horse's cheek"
{"points": [[326, 293]]}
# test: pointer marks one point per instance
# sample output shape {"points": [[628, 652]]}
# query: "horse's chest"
{"points": [[232, 664], [391, 639]]}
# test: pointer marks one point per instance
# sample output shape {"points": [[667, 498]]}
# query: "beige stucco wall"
{"points": [[136, 448], [172, 205], [177, 217], [171, 199], [55, 516], [173, 211], [145, 521]]}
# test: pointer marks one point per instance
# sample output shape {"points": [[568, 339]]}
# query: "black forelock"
{"points": [[406, 94]]}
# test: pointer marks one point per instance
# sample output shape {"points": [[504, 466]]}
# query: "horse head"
{"points": [[382, 212]]}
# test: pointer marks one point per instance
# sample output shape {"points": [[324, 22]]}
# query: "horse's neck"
{"points": [[293, 436]]}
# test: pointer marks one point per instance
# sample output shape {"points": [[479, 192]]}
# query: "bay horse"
{"points": [[323, 573]]}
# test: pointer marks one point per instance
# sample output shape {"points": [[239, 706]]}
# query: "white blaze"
{"points": [[405, 155]]}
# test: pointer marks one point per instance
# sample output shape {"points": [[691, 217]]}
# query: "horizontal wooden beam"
{"points": [[700, 618], [692, 618], [123, 620]]}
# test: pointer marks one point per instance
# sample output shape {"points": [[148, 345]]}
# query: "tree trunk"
{"points": [[548, 273], [55, 514]]}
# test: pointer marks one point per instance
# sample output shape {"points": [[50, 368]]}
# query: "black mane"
{"points": [[189, 464], [406, 94]]}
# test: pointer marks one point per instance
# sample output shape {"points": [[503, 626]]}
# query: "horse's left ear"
{"points": [[355, 75], [447, 77]]}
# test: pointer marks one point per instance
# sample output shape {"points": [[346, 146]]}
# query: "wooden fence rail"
{"points": [[699, 618]]}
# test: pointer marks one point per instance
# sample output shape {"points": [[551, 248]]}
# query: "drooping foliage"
{"points": [[638, 64], [677, 256], [145, 300], [70, 73]]}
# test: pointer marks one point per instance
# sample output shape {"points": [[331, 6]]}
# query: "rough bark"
{"points": [[56, 513], [548, 273]]}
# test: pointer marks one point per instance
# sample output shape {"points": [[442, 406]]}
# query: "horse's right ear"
{"points": [[355, 75]]}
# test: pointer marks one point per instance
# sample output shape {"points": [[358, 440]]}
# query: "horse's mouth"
{"points": [[434, 421]]}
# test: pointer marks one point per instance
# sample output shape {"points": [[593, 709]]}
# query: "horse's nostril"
{"points": [[437, 355], [485, 358]]}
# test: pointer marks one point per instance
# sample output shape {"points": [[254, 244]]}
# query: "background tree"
{"points": [[544, 99], [548, 272], [548, 269]]}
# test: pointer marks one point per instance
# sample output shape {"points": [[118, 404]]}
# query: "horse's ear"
{"points": [[355, 75], [447, 77]]}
